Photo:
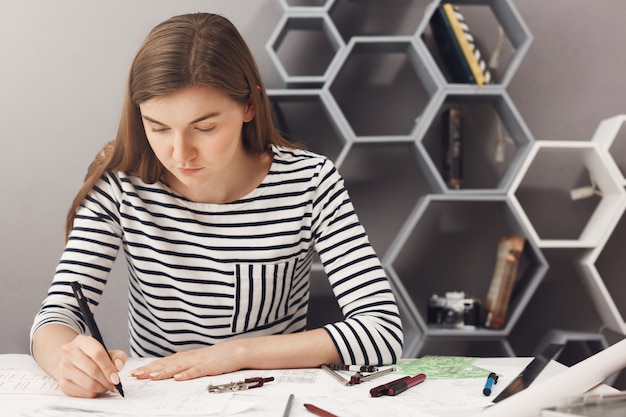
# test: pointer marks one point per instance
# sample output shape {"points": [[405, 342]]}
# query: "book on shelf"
{"points": [[457, 46], [452, 136], [498, 297]]}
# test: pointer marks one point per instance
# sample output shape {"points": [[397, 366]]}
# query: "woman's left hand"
{"points": [[210, 360], [307, 349]]}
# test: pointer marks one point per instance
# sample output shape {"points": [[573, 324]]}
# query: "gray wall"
{"points": [[63, 67]]}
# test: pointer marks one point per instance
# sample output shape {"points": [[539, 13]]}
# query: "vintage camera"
{"points": [[454, 310]]}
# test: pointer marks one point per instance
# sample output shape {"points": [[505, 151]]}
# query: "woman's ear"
{"points": [[250, 109]]}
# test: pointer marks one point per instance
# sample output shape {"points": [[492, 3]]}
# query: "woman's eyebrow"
{"points": [[151, 120], [199, 119]]}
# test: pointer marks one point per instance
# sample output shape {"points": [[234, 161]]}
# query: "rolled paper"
{"points": [[575, 380]]}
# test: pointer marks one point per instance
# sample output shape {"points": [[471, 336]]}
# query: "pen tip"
{"points": [[120, 390]]}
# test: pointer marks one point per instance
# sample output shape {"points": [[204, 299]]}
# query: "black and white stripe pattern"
{"points": [[204, 273]]}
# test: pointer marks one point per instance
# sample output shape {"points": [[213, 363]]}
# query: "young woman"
{"points": [[219, 218]]}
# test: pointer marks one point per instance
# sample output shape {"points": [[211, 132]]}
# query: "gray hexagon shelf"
{"points": [[490, 126], [304, 6], [381, 89], [498, 29], [303, 117], [377, 18], [431, 255], [295, 40], [377, 171], [359, 87]]}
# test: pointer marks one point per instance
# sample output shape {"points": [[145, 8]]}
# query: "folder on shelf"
{"points": [[457, 46], [496, 303], [450, 49]]}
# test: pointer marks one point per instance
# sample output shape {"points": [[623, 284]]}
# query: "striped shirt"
{"points": [[201, 273]]}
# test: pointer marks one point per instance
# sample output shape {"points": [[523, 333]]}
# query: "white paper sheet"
{"points": [[37, 395], [575, 380]]}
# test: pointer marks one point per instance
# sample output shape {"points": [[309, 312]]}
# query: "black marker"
{"points": [[491, 379], [91, 323]]}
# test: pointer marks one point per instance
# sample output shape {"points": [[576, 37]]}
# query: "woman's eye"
{"points": [[204, 129], [158, 129]]}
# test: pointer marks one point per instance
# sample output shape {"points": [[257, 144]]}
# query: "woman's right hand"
{"points": [[85, 369]]}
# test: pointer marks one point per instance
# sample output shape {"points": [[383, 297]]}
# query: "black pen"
{"points": [[91, 323]]}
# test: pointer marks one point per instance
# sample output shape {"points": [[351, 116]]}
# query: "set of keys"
{"points": [[247, 383]]}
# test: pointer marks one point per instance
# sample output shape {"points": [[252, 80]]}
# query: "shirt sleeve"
{"points": [[88, 257], [371, 332]]}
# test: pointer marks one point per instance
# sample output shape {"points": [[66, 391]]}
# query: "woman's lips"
{"points": [[189, 171]]}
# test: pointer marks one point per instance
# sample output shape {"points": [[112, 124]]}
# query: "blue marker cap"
{"points": [[491, 379]]}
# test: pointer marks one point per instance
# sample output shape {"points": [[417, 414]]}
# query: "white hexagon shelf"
{"points": [[601, 170], [295, 40], [607, 308], [606, 133]]}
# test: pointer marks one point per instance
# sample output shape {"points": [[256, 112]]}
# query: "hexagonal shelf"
{"points": [[486, 346], [377, 18], [303, 117], [306, 6], [490, 126], [497, 28], [602, 269], [381, 89], [374, 174], [611, 135], [438, 231], [295, 40], [575, 166]]}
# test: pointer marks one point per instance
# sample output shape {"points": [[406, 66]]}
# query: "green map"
{"points": [[442, 367]]}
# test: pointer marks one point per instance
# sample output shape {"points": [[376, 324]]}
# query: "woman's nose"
{"points": [[182, 148]]}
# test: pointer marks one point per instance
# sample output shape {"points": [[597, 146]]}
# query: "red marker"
{"points": [[318, 411], [402, 386], [384, 388]]}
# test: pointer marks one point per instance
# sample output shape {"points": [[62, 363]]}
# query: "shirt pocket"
{"points": [[262, 294]]}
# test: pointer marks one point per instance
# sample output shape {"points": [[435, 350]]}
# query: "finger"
{"points": [[84, 385], [119, 359], [73, 389], [78, 373], [100, 367], [191, 373], [159, 369], [78, 378]]}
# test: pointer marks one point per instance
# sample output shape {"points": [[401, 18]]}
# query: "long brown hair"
{"points": [[192, 49]]}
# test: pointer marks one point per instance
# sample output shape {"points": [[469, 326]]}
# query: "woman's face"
{"points": [[196, 134]]}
